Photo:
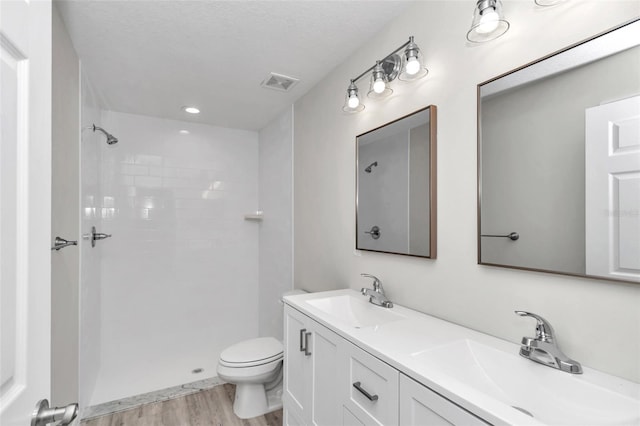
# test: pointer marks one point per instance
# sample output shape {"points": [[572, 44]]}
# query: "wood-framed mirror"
{"points": [[396, 184], [559, 161]]}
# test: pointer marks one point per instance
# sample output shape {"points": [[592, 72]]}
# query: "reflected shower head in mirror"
{"points": [[110, 138], [368, 169]]}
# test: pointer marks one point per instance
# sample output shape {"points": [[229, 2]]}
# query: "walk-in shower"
{"points": [[368, 169], [110, 138]]}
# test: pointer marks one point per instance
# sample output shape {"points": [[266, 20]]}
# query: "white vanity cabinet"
{"points": [[329, 381], [310, 394], [420, 406]]}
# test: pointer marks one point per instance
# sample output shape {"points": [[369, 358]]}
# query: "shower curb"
{"points": [[150, 397]]}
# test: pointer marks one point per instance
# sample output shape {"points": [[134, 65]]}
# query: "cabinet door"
{"points": [[324, 348], [290, 419], [370, 387], [421, 406], [296, 373]]}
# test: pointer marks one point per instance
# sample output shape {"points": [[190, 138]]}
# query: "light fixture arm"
{"points": [[382, 61]]}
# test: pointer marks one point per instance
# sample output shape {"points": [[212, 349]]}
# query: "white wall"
{"points": [[65, 215], [276, 229], [179, 276], [90, 257], [597, 322]]}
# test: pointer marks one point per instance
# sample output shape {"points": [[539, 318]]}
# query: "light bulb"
{"points": [[413, 65], [379, 86], [488, 22], [191, 110], [353, 101]]}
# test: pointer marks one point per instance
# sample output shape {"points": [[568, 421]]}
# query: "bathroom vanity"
{"points": [[348, 362]]}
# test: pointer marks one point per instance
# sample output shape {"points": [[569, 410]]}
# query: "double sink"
{"points": [[478, 372]]}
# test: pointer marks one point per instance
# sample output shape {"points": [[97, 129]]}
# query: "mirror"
{"points": [[559, 161], [396, 186]]}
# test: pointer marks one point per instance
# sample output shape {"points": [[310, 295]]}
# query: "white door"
{"points": [[612, 155], [25, 207]]}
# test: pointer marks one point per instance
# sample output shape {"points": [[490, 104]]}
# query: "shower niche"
{"points": [[396, 186]]}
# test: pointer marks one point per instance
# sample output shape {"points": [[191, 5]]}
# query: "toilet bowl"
{"points": [[255, 367]]}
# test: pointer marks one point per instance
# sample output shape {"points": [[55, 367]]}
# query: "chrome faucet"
{"points": [[544, 349], [376, 296]]}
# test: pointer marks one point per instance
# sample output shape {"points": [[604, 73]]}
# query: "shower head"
{"points": [[368, 169], [110, 138]]}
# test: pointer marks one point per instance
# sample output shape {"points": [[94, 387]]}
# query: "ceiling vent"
{"points": [[282, 83]]}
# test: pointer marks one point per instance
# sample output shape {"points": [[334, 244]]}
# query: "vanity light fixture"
{"points": [[191, 110], [407, 67], [413, 68], [488, 22], [352, 101], [379, 87]]}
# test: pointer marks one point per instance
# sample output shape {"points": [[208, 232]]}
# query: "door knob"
{"points": [[43, 415]]}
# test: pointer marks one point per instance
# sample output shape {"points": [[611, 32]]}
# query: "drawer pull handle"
{"points": [[302, 340], [306, 343], [364, 392]]}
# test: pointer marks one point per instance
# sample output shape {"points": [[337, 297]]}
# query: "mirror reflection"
{"points": [[559, 161], [396, 186]]}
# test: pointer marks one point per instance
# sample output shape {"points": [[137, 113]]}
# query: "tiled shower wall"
{"points": [[180, 273]]}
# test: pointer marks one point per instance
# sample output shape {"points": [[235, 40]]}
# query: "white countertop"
{"points": [[399, 344]]}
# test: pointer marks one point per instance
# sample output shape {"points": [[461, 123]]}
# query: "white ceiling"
{"points": [[153, 57]]}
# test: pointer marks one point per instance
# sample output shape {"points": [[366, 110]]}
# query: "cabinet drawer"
{"points": [[420, 406], [371, 387]]}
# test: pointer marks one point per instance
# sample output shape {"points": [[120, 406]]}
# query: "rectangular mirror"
{"points": [[396, 186], [559, 161]]}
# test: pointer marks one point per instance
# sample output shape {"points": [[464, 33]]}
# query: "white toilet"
{"points": [[255, 367]]}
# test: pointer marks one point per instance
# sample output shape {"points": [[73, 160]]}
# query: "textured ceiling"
{"points": [[152, 57]]}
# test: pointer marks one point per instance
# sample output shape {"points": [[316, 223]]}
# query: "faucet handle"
{"points": [[377, 284], [544, 330]]}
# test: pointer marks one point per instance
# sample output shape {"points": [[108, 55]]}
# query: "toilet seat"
{"points": [[252, 353]]}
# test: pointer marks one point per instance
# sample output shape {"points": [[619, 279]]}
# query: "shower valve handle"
{"points": [[374, 232], [95, 236]]}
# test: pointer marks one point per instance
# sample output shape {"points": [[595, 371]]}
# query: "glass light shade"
{"points": [[352, 101], [412, 64], [378, 87], [488, 22]]}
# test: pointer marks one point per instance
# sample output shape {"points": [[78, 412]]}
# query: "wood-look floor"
{"points": [[211, 407]]}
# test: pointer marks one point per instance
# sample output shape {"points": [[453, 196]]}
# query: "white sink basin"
{"points": [[548, 395], [355, 311]]}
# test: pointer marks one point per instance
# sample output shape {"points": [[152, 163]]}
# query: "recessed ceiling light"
{"points": [[191, 110], [184, 132]]}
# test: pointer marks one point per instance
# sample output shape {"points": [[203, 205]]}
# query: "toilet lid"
{"points": [[262, 349]]}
